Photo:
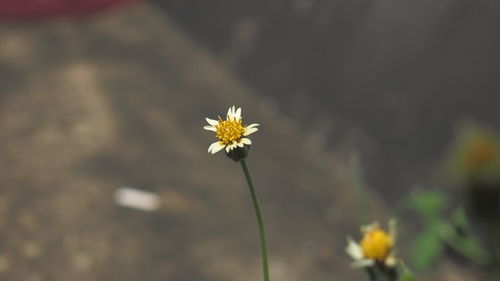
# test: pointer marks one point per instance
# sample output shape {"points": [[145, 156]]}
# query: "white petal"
{"points": [[391, 261], [230, 112], [246, 141], [215, 147], [362, 263], [233, 146], [370, 227], [240, 144], [210, 128], [252, 125], [230, 147], [354, 249], [212, 121], [249, 131], [237, 114]]}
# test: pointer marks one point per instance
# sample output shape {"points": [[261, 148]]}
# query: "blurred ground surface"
{"points": [[36, 9], [92, 104], [120, 99]]}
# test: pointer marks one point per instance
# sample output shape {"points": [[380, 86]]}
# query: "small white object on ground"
{"points": [[137, 199]]}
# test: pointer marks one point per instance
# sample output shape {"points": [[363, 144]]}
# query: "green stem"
{"points": [[357, 174], [263, 248]]}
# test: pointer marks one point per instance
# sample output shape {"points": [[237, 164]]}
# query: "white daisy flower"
{"points": [[376, 247], [230, 132]]}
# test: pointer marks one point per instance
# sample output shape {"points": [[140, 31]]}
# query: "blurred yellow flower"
{"points": [[230, 132], [475, 155], [480, 152], [376, 246]]}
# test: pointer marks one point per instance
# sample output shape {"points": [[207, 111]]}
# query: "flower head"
{"points": [[230, 132], [475, 156], [376, 246]]}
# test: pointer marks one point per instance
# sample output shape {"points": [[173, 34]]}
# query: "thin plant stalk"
{"points": [[356, 175], [262, 234]]}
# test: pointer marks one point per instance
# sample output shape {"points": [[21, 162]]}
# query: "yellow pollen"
{"points": [[376, 244], [480, 152], [229, 131]]}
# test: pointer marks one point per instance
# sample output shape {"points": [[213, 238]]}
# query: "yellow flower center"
{"points": [[229, 131], [480, 152], [376, 244]]}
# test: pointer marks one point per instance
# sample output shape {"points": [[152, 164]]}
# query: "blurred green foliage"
{"points": [[427, 247], [443, 229], [429, 204], [439, 231]]}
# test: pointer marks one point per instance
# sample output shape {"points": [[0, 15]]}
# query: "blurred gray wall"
{"points": [[388, 77]]}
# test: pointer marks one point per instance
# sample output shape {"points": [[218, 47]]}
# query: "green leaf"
{"points": [[459, 218], [429, 203], [426, 250], [407, 276], [467, 245]]}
